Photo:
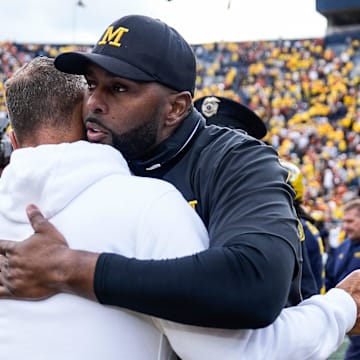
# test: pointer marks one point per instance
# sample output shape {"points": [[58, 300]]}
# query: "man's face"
{"points": [[351, 224], [126, 114]]}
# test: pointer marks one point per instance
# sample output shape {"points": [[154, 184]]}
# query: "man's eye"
{"points": [[120, 88], [90, 85]]}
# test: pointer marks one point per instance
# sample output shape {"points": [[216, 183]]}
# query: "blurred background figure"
{"points": [[319, 217], [5, 143], [314, 271], [229, 113], [346, 258]]}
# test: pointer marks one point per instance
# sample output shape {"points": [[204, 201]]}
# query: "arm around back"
{"points": [[212, 288]]}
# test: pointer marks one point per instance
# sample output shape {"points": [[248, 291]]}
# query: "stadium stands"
{"points": [[306, 91]]}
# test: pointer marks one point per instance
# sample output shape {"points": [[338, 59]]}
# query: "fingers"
{"points": [[350, 280], [2, 262], [38, 221], [4, 267], [5, 293], [44, 229], [6, 247], [35, 216]]}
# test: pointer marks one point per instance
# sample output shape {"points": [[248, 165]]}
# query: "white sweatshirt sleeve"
{"points": [[312, 330]]}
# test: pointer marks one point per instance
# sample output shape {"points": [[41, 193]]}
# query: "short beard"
{"points": [[138, 142]]}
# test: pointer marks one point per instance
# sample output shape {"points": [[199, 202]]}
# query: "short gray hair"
{"points": [[39, 95]]}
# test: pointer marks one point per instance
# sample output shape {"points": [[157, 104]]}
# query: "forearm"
{"points": [[226, 287]]}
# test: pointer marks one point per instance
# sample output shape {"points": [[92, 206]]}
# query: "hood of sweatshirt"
{"points": [[51, 176]]}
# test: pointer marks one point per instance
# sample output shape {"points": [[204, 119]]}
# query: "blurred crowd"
{"points": [[306, 91]]}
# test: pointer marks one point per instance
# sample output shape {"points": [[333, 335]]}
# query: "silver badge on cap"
{"points": [[210, 106]]}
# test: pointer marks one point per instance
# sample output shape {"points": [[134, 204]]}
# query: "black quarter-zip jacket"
{"points": [[252, 268]]}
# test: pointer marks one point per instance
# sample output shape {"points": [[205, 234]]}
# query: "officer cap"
{"points": [[225, 112]]}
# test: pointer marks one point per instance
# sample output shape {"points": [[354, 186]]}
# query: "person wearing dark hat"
{"points": [[150, 201], [141, 80], [146, 112], [222, 111], [313, 281], [344, 259]]}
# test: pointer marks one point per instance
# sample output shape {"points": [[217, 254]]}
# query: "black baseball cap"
{"points": [[222, 111], [138, 48]]}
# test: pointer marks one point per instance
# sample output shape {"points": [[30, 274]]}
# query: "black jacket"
{"points": [[238, 188]]}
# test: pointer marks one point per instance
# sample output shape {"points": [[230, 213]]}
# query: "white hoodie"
{"points": [[86, 190]]}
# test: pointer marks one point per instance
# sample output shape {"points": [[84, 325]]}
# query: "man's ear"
{"points": [[13, 139], [181, 105]]}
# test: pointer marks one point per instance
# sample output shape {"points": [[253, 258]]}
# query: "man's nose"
{"points": [[96, 102]]}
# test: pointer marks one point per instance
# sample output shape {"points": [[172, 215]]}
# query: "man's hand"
{"points": [[43, 264], [351, 284], [30, 268]]}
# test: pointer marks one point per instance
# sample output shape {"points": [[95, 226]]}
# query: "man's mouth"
{"points": [[95, 133]]}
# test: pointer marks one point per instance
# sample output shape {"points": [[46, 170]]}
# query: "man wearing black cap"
{"points": [[141, 80], [222, 111], [72, 334]]}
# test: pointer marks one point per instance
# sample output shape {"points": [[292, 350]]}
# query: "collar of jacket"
{"points": [[171, 148]]}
